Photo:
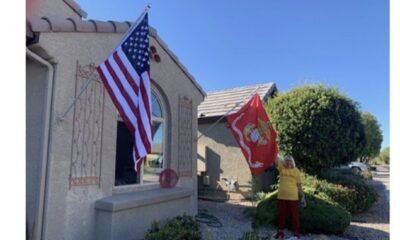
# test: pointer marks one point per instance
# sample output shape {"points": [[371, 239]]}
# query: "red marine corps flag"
{"points": [[255, 135]]}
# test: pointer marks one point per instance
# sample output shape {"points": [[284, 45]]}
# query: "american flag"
{"points": [[125, 75]]}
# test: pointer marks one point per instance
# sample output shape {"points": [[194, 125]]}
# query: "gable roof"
{"points": [[218, 103], [60, 24]]}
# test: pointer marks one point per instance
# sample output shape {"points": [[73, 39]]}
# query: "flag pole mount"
{"points": [[61, 117]]}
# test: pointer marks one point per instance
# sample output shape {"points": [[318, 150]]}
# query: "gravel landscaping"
{"points": [[372, 225]]}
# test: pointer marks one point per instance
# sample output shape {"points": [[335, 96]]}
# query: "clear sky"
{"points": [[225, 43]]}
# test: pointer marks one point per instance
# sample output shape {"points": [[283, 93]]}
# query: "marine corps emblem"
{"points": [[260, 134]]}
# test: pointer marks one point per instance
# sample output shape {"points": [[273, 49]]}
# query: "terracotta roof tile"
{"points": [[120, 27], [94, 24], [104, 27], [84, 26], [39, 25], [60, 25], [57, 24], [218, 103]]}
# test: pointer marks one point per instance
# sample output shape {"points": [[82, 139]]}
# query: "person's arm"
{"points": [[300, 190]]}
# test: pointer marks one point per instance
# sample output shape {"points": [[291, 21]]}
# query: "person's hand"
{"points": [[303, 202]]}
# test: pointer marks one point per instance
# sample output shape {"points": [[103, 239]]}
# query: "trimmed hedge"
{"points": [[349, 191], [179, 228], [365, 196], [321, 215]]}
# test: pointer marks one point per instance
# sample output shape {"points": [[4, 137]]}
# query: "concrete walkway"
{"points": [[382, 175]]}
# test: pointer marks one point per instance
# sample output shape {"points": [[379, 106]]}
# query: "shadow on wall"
{"points": [[220, 133], [213, 167], [212, 161]]}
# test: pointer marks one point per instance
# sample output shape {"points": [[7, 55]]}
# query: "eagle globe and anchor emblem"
{"points": [[260, 135]]}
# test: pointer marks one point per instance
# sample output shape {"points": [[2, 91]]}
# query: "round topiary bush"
{"points": [[319, 126], [320, 215]]}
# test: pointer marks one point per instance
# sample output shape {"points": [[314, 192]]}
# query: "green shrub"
{"points": [[321, 215], [365, 196], [319, 126], [179, 228], [344, 196], [348, 190]]}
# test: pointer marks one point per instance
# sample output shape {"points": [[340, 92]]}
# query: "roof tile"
{"points": [[218, 103], [105, 27], [121, 27], [58, 24], [39, 25], [85, 26]]}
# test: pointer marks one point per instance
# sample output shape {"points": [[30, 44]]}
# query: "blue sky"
{"points": [[225, 43]]}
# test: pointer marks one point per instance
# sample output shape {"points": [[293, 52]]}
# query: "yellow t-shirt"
{"points": [[289, 178]]}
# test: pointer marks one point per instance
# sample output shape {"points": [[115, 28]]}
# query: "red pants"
{"points": [[293, 208]]}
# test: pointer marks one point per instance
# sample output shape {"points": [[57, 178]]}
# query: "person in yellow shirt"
{"points": [[289, 193]]}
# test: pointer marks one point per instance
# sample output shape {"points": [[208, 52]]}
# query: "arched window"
{"points": [[155, 161]]}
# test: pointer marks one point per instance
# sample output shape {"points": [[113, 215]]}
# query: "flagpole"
{"points": [[135, 23], [92, 77], [227, 113]]}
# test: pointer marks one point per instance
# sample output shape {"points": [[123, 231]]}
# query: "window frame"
{"points": [[164, 120]]}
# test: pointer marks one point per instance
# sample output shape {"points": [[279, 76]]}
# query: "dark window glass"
{"points": [[154, 162], [124, 170]]}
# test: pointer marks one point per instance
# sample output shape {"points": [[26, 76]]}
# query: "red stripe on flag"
{"points": [[131, 104], [126, 73], [115, 101], [117, 81]]}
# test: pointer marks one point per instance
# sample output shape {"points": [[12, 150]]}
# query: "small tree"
{"points": [[319, 126], [373, 136]]}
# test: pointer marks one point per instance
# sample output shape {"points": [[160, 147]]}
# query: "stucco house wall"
{"points": [[221, 163], [223, 156], [83, 211]]}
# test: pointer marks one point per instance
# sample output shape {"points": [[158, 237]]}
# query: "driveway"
{"points": [[374, 224], [382, 175]]}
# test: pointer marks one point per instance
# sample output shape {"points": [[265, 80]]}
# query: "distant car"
{"points": [[358, 167]]}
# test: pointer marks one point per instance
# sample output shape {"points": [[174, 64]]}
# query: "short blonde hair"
{"points": [[290, 158]]}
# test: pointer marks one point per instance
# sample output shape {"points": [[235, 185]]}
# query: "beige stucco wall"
{"points": [[223, 157], [70, 212]]}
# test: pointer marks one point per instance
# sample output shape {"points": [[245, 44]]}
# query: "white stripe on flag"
{"points": [[128, 66], [140, 146], [128, 88], [146, 120], [125, 106]]}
